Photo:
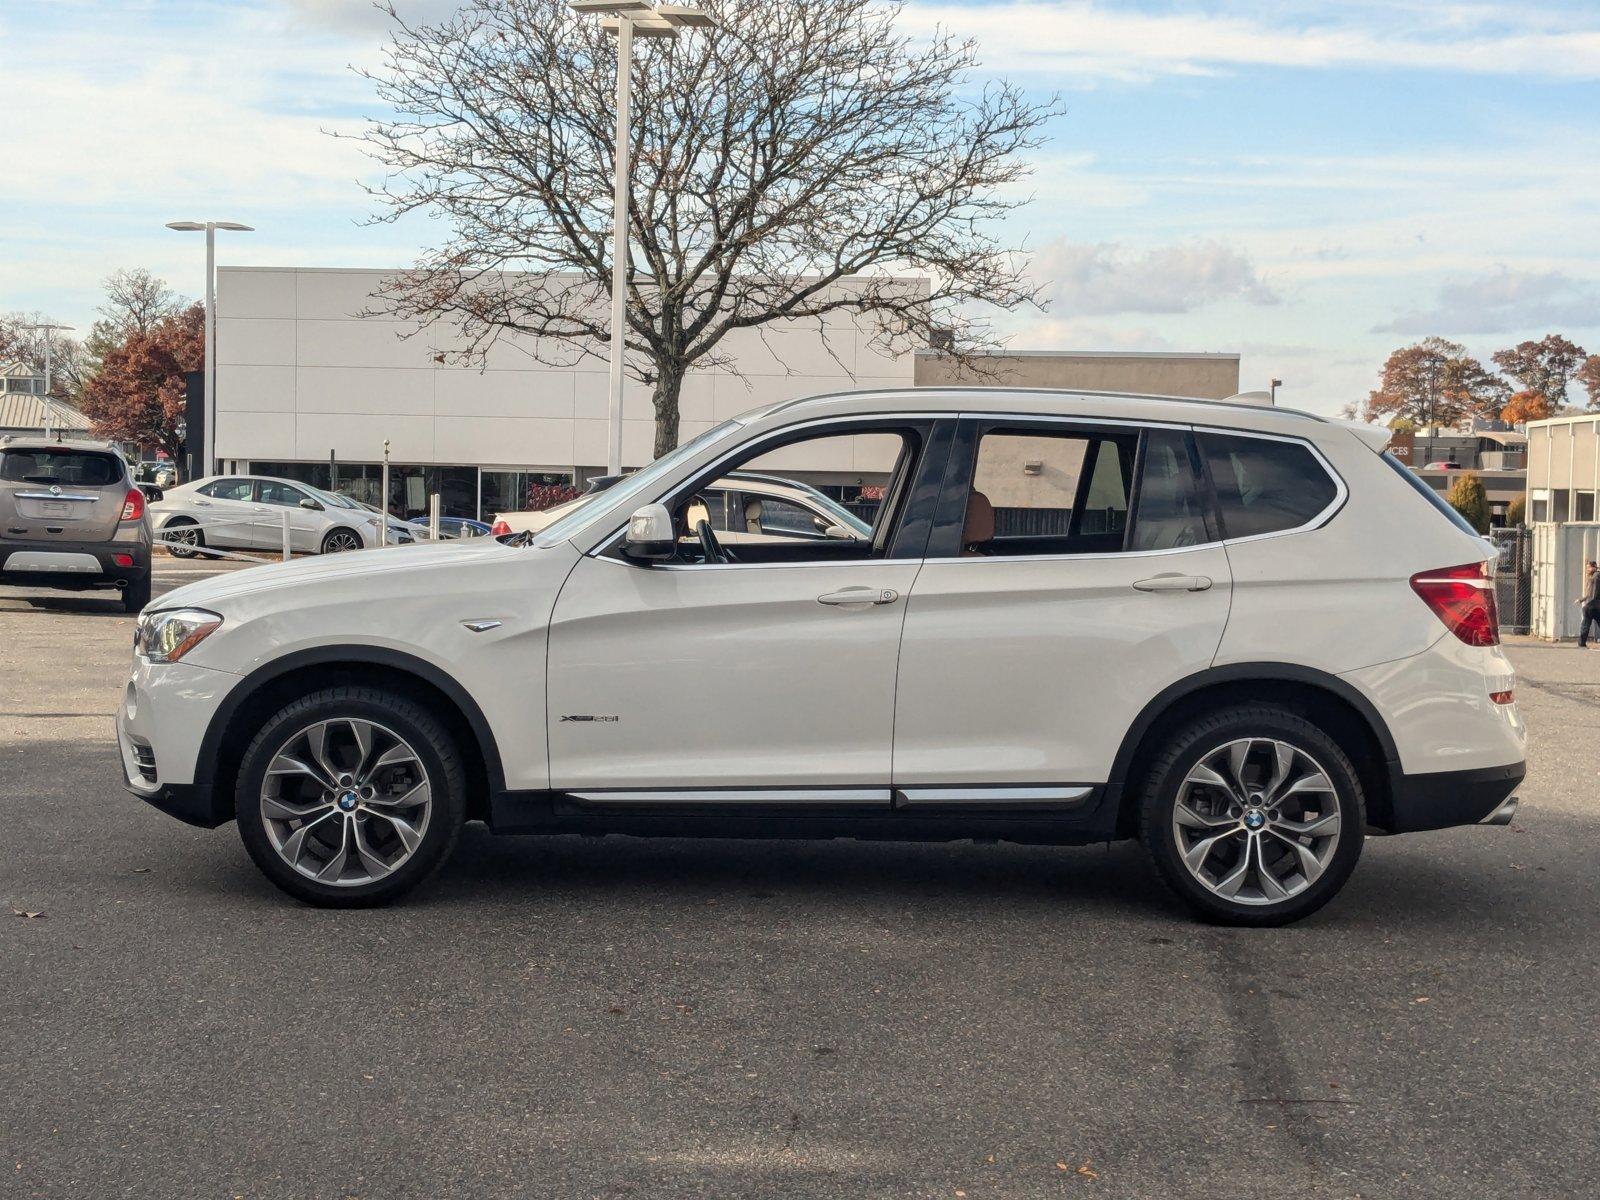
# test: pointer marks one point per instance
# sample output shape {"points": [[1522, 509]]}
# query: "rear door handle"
{"points": [[1173, 583], [860, 595]]}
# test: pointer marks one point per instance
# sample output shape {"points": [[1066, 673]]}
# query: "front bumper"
{"points": [[81, 564], [165, 711], [1442, 799]]}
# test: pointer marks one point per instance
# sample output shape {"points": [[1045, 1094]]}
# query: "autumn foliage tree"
{"points": [[1468, 498], [138, 395], [1435, 382], [1545, 366], [1527, 406], [1589, 376]]}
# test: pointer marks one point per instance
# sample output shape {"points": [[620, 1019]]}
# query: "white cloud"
{"points": [[1504, 300], [1084, 41], [1101, 278]]}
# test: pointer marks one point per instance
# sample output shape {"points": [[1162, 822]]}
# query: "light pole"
{"points": [[1276, 384], [46, 402], [628, 19], [209, 228]]}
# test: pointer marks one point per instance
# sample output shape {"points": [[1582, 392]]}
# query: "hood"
{"points": [[328, 568]]}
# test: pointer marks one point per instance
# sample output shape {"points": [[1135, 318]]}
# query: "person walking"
{"points": [[1589, 602]]}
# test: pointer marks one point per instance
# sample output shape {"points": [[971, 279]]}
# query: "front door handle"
{"points": [[1173, 583], [860, 595]]}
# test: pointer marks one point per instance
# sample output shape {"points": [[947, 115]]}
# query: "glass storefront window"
{"points": [[410, 485]]}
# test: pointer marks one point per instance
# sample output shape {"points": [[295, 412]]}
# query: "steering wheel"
{"points": [[709, 546]]}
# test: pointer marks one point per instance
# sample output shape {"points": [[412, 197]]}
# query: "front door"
{"points": [[760, 673], [1034, 640], [274, 498]]}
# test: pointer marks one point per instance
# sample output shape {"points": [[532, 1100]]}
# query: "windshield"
{"points": [[626, 489], [335, 499]]}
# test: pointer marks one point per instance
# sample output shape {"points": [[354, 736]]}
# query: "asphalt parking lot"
{"points": [[571, 1018]]}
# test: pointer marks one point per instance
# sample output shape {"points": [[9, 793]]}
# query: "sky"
{"points": [[1307, 184]]}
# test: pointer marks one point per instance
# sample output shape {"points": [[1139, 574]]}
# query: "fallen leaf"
{"points": [[141, 870], [1420, 1000], [22, 912], [1086, 1171], [1061, 1166]]}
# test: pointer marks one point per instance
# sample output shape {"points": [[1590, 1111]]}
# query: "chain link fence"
{"points": [[1513, 578]]}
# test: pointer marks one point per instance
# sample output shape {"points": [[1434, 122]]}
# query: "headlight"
{"points": [[165, 637]]}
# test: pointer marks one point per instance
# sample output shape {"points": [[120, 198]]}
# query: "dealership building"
{"points": [[310, 386]]}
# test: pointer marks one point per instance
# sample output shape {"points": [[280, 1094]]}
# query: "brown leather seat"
{"points": [[979, 527]]}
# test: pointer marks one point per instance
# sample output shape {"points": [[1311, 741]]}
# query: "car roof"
{"points": [[12, 441], [1041, 402]]}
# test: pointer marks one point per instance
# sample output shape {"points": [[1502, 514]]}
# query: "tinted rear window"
{"points": [[82, 468], [1264, 486]]}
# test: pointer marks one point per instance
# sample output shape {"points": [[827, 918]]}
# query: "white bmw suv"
{"points": [[1243, 635]]}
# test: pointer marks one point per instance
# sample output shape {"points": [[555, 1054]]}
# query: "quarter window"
{"points": [[228, 489], [1169, 515], [1264, 486]]}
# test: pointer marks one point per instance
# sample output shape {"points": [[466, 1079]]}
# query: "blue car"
{"points": [[454, 527]]}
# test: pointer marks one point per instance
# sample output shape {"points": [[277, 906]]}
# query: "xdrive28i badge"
{"points": [[589, 717]]}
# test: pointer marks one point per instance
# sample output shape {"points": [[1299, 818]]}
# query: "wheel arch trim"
{"points": [[353, 654], [1251, 672]]}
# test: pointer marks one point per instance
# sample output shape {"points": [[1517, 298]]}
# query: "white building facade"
{"points": [[309, 388]]}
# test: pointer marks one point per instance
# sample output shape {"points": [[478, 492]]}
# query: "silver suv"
{"points": [[72, 517]]}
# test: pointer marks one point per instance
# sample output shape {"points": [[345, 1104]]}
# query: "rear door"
{"points": [[1073, 573], [226, 511], [60, 493]]}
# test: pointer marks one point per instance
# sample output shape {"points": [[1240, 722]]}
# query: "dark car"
{"points": [[71, 517]]}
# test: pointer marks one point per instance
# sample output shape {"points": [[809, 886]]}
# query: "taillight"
{"points": [[499, 529], [133, 506], [1463, 598]]}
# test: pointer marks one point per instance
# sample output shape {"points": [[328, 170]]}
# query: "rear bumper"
{"points": [[73, 560], [1443, 799]]}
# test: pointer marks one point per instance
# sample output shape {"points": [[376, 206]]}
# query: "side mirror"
{"points": [[650, 534], [308, 502], [839, 533]]}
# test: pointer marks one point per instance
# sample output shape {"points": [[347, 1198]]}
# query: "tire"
{"points": [[189, 532], [1269, 808], [137, 594], [349, 845], [341, 540]]}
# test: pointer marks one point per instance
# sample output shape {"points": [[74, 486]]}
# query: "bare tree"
{"points": [[135, 303], [22, 342], [788, 162]]}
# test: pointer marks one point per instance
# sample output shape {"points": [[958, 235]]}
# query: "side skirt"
{"points": [[1056, 815]]}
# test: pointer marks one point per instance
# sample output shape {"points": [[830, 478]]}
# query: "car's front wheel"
{"points": [[337, 541], [350, 796], [1253, 815]]}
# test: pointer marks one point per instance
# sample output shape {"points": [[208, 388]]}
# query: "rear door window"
{"points": [[68, 468], [1264, 485], [1169, 514]]}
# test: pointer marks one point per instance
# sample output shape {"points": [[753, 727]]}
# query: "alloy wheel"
{"points": [[1256, 821], [340, 541], [346, 801]]}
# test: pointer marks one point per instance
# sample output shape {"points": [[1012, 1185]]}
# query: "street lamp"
{"points": [[209, 228], [1276, 384], [47, 404], [628, 19]]}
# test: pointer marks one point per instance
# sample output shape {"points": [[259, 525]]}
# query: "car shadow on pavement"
{"points": [[92, 604]]}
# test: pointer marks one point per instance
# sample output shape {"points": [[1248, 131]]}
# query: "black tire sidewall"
{"points": [[1200, 737], [136, 595], [439, 758]]}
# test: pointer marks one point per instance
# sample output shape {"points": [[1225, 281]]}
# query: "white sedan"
{"points": [[245, 512], [742, 507]]}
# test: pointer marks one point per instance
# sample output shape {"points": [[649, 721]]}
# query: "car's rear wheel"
{"points": [[183, 539], [137, 594], [1253, 815], [337, 541], [350, 797]]}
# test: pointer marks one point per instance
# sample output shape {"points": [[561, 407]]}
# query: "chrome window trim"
{"points": [[956, 795]]}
